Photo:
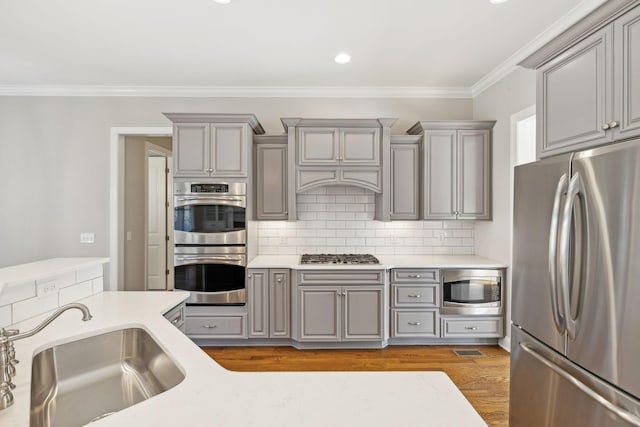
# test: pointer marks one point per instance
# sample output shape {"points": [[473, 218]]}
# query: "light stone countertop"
{"points": [[213, 396], [386, 262]]}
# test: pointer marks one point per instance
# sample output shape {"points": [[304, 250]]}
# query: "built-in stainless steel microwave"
{"points": [[472, 292]]}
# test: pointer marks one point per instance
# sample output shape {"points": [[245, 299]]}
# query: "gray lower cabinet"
{"points": [[456, 180], [405, 177], [588, 93], [340, 306], [270, 177], [269, 296], [472, 327], [216, 322], [415, 302], [177, 316], [212, 145]]}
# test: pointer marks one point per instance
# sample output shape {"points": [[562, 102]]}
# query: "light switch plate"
{"points": [[87, 237]]}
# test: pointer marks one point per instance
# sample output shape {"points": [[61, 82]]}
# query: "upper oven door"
{"points": [[209, 220]]}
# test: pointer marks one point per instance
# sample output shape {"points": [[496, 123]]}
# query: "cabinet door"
{"points": [[191, 150], [405, 174], [474, 174], [318, 146], [440, 174], [279, 304], [363, 313], [627, 73], [574, 96], [229, 145], [271, 181], [258, 303], [319, 313], [360, 146]]}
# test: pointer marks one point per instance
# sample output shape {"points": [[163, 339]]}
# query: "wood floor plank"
{"points": [[484, 380]]}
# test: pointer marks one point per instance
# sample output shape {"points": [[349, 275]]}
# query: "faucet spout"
{"points": [[86, 315]]}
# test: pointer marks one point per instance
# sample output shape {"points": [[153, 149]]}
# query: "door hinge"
{"points": [[166, 204], [166, 170], [168, 272], [167, 238]]}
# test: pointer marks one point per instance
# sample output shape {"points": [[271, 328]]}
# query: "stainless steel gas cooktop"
{"points": [[349, 259]]}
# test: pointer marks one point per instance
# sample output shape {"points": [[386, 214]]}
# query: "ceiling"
{"points": [[453, 47]]}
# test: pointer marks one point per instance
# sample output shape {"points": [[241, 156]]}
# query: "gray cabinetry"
{"points": [[336, 151], [269, 305], [212, 145], [405, 177], [472, 327], [270, 177], [177, 316], [415, 298], [588, 81], [215, 322], [340, 306], [456, 182]]}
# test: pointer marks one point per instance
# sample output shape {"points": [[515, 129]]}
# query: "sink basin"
{"points": [[82, 381]]}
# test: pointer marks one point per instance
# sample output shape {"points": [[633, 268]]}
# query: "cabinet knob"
{"points": [[614, 124], [605, 126], [249, 276], [279, 280]]}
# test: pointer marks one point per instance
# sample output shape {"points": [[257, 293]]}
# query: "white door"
{"points": [[157, 224]]}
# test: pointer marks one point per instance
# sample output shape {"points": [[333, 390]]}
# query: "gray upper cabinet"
{"points": [[212, 145], [336, 151], [405, 177], [588, 81], [270, 177], [456, 180]]}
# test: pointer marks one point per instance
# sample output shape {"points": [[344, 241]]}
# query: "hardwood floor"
{"points": [[483, 380]]}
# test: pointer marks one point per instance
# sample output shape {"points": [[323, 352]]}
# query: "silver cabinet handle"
{"points": [[279, 280], [414, 323], [605, 126], [415, 296], [620, 412], [415, 276], [471, 328], [614, 124], [176, 320], [249, 276], [210, 326]]}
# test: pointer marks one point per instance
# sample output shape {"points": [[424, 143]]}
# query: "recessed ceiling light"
{"points": [[342, 58], [497, 1], [222, 1]]}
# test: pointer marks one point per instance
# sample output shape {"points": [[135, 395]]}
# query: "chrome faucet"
{"points": [[8, 353]]}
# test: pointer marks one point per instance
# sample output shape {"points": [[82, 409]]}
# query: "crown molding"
{"points": [[239, 91], [581, 10]]}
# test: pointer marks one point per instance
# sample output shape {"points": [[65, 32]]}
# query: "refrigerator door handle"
{"points": [[558, 317], [618, 411], [575, 187]]}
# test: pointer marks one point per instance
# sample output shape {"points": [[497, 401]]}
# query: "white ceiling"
{"points": [[401, 46]]}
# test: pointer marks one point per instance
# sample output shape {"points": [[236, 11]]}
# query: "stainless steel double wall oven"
{"points": [[210, 241]]}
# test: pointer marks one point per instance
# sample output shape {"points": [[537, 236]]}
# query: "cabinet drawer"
{"points": [[418, 275], [415, 296], [414, 323], [484, 327], [176, 316], [217, 326], [339, 277]]}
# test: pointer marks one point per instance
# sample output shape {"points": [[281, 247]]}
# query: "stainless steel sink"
{"points": [[82, 381]]}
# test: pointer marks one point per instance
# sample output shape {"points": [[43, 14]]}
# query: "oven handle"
{"points": [[207, 200], [209, 259], [464, 304]]}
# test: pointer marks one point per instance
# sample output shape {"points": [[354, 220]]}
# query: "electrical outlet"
{"points": [[47, 288], [87, 237], [440, 235]]}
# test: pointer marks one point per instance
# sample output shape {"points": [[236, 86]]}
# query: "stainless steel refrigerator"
{"points": [[575, 343]]}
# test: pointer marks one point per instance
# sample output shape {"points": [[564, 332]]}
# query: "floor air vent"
{"points": [[468, 353]]}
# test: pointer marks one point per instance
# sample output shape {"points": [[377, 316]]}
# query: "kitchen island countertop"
{"points": [[210, 395]]}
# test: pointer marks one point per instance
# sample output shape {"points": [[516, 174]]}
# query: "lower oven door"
{"points": [[214, 276]]}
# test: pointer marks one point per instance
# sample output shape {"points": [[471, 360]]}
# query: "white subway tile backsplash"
{"points": [[18, 292], [89, 273], [340, 219], [75, 292], [32, 307], [98, 285], [5, 316]]}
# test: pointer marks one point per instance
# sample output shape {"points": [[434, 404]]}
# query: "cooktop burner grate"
{"points": [[349, 259]]}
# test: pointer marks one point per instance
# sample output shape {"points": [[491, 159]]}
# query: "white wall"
{"points": [[54, 156], [510, 95]]}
